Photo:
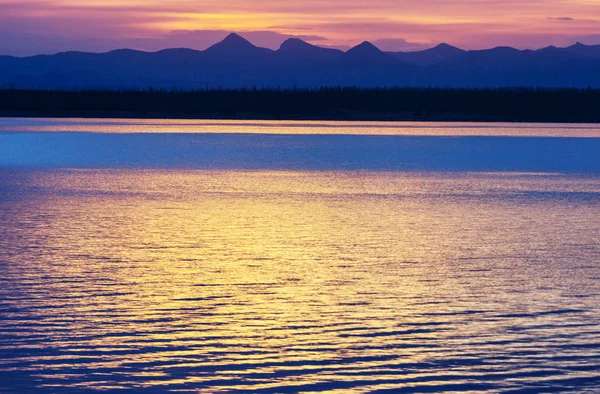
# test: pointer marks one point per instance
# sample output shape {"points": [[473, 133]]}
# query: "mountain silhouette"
{"points": [[440, 52], [234, 44], [235, 62], [444, 50], [295, 46], [367, 53], [583, 50], [428, 56]]}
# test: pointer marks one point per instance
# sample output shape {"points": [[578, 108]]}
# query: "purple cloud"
{"points": [[46, 26], [562, 18]]}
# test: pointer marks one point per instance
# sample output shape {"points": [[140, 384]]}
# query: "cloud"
{"points": [[289, 28], [106, 24], [562, 18]]}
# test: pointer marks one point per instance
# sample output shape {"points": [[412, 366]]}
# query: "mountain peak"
{"points": [[303, 51], [236, 39], [232, 42], [579, 45], [294, 43], [549, 48], [364, 48], [585, 50], [446, 49], [499, 49]]}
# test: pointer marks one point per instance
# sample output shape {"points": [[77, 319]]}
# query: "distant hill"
{"points": [[235, 62], [428, 56]]}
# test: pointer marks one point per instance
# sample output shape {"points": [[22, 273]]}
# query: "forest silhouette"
{"points": [[342, 103]]}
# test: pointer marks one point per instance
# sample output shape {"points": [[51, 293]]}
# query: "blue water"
{"points": [[285, 261], [300, 152]]}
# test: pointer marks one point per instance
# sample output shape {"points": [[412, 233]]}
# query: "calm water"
{"points": [[282, 263]]}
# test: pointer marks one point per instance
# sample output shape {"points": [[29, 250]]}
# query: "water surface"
{"points": [[232, 270], [183, 126]]}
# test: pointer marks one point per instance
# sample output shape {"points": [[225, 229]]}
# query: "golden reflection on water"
{"points": [[291, 127], [299, 281]]}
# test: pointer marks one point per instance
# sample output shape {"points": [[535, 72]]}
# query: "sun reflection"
{"points": [[273, 280]]}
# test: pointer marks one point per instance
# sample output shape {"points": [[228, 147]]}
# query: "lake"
{"points": [[221, 256]]}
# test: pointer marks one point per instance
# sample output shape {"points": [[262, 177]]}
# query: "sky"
{"points": [[50, 26]]}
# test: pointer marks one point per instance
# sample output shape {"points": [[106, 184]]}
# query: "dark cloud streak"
{"points": [[562, 18]]}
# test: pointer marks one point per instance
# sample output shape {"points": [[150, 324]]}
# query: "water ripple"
{"points": [[274, 282]]}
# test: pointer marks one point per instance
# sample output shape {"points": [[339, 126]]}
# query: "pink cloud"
{"points": [[53, 25]]}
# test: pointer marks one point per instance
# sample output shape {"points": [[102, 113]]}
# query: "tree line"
{"points": [[336, 103]]}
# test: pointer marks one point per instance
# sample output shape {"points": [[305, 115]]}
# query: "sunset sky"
{"points": [[46, 26]]}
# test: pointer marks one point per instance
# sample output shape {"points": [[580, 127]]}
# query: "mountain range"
{"points": [[236, 63]]}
